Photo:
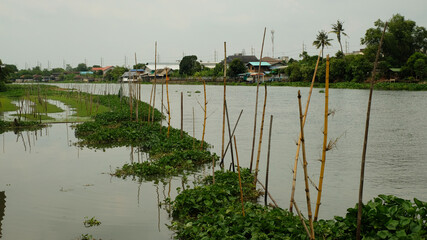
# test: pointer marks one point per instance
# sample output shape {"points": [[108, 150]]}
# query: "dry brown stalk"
{"points": [[167, 97], [325, 139], [268, 160], [294, 177]]}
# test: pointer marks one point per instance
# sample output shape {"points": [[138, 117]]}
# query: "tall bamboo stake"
{"points": [[194, 137], [155, 81], [240, 179], [229, 136], [256, 102], [167, 97], [260, 134], [294, 178], [325, 141], [204, 118], [137, 94], [307, 189], [268, 160], [149, 105], [162, 105], [223, 104], [182, 112], [365, 142]]}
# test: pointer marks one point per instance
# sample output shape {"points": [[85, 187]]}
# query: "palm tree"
{"points": [[322, 40], [338, 30]]}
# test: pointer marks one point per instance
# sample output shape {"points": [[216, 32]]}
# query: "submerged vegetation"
{"points": [[213, 211]]}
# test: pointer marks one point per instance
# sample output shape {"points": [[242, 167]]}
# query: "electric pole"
{"points": [[272, 42]]}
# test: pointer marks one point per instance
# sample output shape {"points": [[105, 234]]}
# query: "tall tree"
{"points": [[189, 65], [236, 67], [338, 29], [322, 40]]}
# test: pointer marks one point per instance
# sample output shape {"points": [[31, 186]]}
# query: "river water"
{"points": [[50, 185]]}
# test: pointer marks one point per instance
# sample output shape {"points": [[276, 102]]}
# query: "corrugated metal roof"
{"points": [[263, 64]]}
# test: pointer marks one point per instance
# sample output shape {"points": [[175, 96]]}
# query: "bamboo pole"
{"points": [[162, 105], [149, 105], [167, 98], [307, 189], [240, 179], [137, 94], [223, 104], [294, 177], [365, 142], [182, 112], [234, 129], [194, 137], [268, 160], [302, 219], [268, 193], [213, 169], [229, 136], [256, 102], [260, 134], [325, 141], [155, 81], [204, 118]]}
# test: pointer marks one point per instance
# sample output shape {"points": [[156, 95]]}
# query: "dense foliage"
{"points": [[213, 211]]}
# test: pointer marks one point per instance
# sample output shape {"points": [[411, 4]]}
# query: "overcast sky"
{"points": [[58, 31]]}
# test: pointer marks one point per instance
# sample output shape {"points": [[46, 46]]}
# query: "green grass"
{"points": [[85, 107], [6, 105]]}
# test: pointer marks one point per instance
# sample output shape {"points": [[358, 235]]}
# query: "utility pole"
{"points": [[215, 55], [272, 42]]}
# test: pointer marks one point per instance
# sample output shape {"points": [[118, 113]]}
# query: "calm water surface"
{"points": [[50, 185]]}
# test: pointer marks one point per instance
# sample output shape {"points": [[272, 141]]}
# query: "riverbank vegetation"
{"points": [[212, 210]]}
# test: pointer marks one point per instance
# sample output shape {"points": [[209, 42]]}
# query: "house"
{"points": [[161, 72], [244, 58], [130, 76], [103, 69], [253, 67], [271, 60]]}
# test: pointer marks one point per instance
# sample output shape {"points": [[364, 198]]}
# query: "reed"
{"points": [[240, 179], [307, 189], [268, 161], [223, 104], [365, 142], [204, 118], [260, 135], [256, 102], [325, 139], [294, 177]]}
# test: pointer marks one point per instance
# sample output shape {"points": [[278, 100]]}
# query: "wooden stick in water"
{"points": [[182, 112], [204, 118], [229, 136], [223, 105], [260, 134]]}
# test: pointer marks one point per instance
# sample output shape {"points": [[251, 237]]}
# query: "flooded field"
{"points": [[50, 186]]}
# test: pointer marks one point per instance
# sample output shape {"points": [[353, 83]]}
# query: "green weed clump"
{"points": [[213, 211]]}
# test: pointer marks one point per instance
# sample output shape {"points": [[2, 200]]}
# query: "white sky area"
{"points": [[51, 32]]}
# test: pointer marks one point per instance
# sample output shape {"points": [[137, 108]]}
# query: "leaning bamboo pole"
{"points": [[325, 140], [260, 134], [365, 142], [167, 98], [301, 218], [229, 137], [204, 118], [155, 81], [256, 102], [307, 187], [223, 104], [268, 160], [294, 177], [232, 134], [240, 179]]}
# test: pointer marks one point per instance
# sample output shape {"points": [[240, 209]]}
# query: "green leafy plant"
{"points": [[91, 222]]}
